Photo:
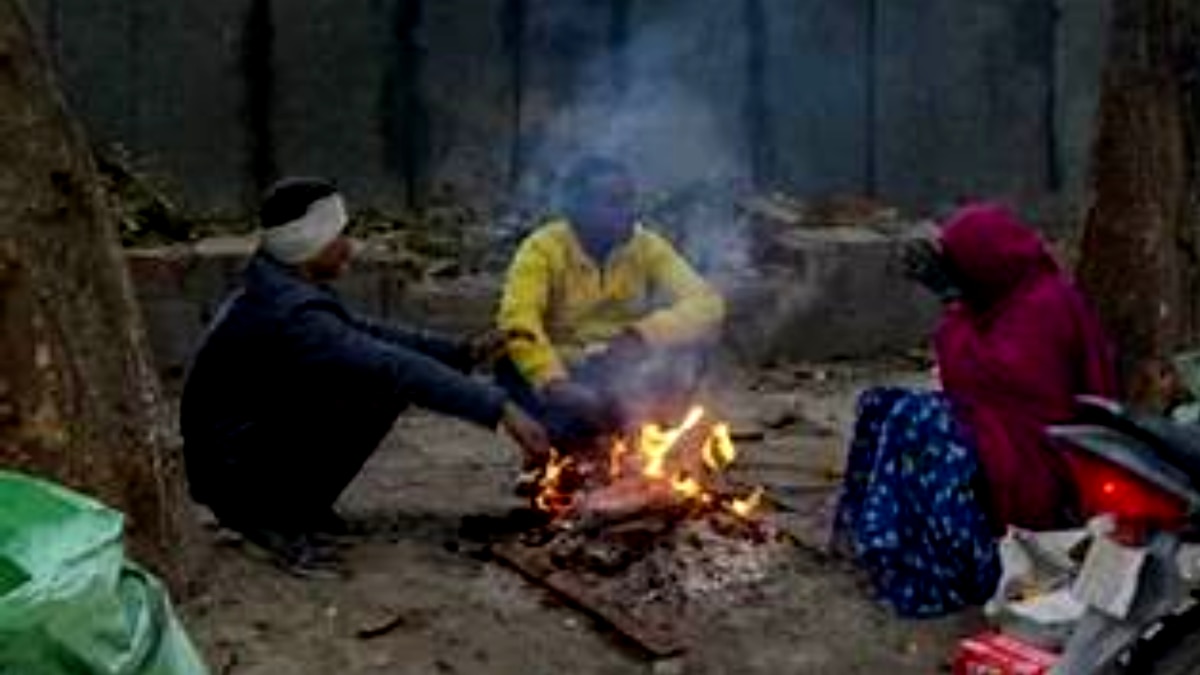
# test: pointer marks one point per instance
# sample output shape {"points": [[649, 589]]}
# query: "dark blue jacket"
{"points": [[287, 373]]}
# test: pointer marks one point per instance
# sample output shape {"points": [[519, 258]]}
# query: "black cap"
{"points": [[290, 198]]}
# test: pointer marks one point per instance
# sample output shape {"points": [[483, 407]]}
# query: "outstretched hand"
{"points": [[528, 435], [487, 347], [926, 265]]}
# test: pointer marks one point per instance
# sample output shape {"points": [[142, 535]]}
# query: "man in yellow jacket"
{"points": [[602, 314]]}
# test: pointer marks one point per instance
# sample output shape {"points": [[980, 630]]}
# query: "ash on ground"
{"points": [[713, 559]]}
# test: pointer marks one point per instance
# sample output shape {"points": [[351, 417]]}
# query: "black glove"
{"points": [[924, 264], [587, 407]]}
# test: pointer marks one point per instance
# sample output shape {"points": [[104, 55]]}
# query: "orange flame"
{"points": [[549, 498], [675, 458], [718, 451], [616, 459], [655, 444]]}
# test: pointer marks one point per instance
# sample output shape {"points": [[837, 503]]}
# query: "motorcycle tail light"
{"points": [[1105, 488]]}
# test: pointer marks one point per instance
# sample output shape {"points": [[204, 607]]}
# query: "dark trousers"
{"points": [[285, 477]]}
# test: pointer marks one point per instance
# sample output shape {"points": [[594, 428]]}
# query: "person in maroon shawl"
{"points": [[933, 477], [1014, 355]]}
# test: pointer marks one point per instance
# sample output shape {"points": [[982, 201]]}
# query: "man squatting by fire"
{"points": [[607, 325], [290, 392]]}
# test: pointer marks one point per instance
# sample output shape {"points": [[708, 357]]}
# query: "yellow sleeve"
{"points": [[522, 311], [697, 310]]}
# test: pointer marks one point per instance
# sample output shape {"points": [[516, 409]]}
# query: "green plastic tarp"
{"points": [[70, 603]]}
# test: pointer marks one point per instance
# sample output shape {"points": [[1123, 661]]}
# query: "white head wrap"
{"points": [[303, 238]]}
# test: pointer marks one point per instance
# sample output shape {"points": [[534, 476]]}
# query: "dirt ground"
{"points": [[452, 611]]}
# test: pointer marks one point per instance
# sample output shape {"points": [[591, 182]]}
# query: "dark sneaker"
{"points": [[299, 554], [332, 524]]}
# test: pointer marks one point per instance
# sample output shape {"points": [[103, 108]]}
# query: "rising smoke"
{"points": [[652, 101]]}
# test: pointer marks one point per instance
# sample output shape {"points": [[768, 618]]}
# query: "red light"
{"points": [[1106, 488]]}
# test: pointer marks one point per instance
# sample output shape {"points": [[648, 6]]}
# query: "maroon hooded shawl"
{"points": [[1014, 357]]}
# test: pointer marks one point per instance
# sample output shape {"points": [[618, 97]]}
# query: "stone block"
{"points": [[457, 306], [839, 293]]}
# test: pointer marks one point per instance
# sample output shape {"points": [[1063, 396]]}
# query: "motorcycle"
{"points": [[1138, 478]]}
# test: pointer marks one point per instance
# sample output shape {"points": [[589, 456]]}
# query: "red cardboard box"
{"points": [[996, 654]]}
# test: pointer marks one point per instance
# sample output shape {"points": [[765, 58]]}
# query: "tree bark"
{"points": [[1139, 246], [79, 402]]}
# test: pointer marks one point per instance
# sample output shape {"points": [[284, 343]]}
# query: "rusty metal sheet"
{"points": [[658, 630]]}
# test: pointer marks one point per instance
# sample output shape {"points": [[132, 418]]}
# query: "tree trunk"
{"points": [[79, 402], [1139, 247]]}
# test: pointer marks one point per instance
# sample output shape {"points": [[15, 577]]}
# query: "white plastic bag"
{"points": [[1033, 598]]}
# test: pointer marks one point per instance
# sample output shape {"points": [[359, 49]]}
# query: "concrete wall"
{"points": [[818, 127], [977, 118], [331, 64], [1081, 48], [164, 81], [469, 93], [919, 100]]}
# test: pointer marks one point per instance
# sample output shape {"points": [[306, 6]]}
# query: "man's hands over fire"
{"points": [[487, 347], [625, 349], [577, 400], [598, 408], [528, 435]]}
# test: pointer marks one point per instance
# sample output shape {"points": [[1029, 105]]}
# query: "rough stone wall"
{"points": [[828, 293], [919, 102]]}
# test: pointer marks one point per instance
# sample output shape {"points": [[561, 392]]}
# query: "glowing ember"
{"points": [[687, 488], [682, 461], [745, 507]]}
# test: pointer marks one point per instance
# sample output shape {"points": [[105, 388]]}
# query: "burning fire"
{"points": [[684, 462], [549, 498]]}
